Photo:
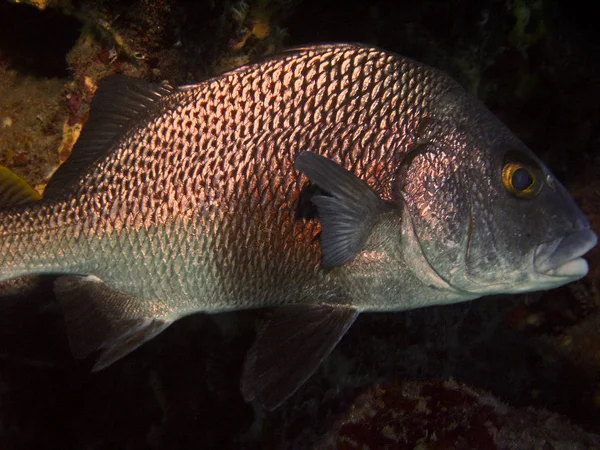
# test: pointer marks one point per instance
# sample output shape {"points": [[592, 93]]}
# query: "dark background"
{"points": [[534, 63]]}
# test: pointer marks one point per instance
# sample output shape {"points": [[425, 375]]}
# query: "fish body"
{"points": [[327, 181], [207, 175]]}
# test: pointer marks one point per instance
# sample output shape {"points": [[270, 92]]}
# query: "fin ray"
{"points": [[347, 213], [289, 348], [119, 101], [14, 190], [101, 318]]}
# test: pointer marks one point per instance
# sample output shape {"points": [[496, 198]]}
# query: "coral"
{"points": [[32, 116], [44, 4], [448, 415], [529, 26]]}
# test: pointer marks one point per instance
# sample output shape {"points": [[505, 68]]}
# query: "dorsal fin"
{"points": [[118, 103], [14, 190]]}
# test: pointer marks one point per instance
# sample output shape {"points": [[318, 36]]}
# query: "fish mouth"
{"points": [[562, 258]]}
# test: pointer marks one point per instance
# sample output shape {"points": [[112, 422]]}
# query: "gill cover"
{"points": [[432, 190]]}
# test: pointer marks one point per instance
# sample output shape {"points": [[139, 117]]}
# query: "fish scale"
{"points": [[171, 149], [192, 199]]}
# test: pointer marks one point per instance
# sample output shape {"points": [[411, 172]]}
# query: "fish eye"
{"points": [[521, 180]]}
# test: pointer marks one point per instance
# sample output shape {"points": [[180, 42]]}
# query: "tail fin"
{"points": [[14, 190]]}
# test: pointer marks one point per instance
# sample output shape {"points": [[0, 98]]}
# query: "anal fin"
{"points": [[141, 331], [289, 348], [105, 319]]}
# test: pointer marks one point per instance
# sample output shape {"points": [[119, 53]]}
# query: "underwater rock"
{"points": [[449, 415]]}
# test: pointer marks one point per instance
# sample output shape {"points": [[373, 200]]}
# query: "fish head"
{"points": [[487, 215]]}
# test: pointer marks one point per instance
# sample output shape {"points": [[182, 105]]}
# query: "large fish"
{"points": [[323, 181]]}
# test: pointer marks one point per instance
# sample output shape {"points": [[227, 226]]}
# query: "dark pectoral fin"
{"points": [[347, 212], [288, 349], [101, 318]]}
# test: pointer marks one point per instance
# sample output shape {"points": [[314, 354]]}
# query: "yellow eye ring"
{"points": [[521, 180]]}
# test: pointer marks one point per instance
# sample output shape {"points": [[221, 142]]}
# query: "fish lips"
{"points": [[562, 258]]}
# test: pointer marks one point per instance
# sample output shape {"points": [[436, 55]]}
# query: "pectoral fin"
{"points": [[348, 211], [288, 349], [101, 318]]}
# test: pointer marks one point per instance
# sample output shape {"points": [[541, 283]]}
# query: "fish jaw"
{"points": [[552, 264], [561, 260]]}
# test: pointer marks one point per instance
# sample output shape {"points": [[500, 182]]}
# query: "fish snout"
{"points": [[563, 257]]}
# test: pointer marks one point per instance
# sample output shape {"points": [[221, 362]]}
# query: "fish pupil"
{"points": [[522, 179]]}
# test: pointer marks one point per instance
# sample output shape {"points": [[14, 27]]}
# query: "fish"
{"points": [[320, 183], [15, 191]]}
